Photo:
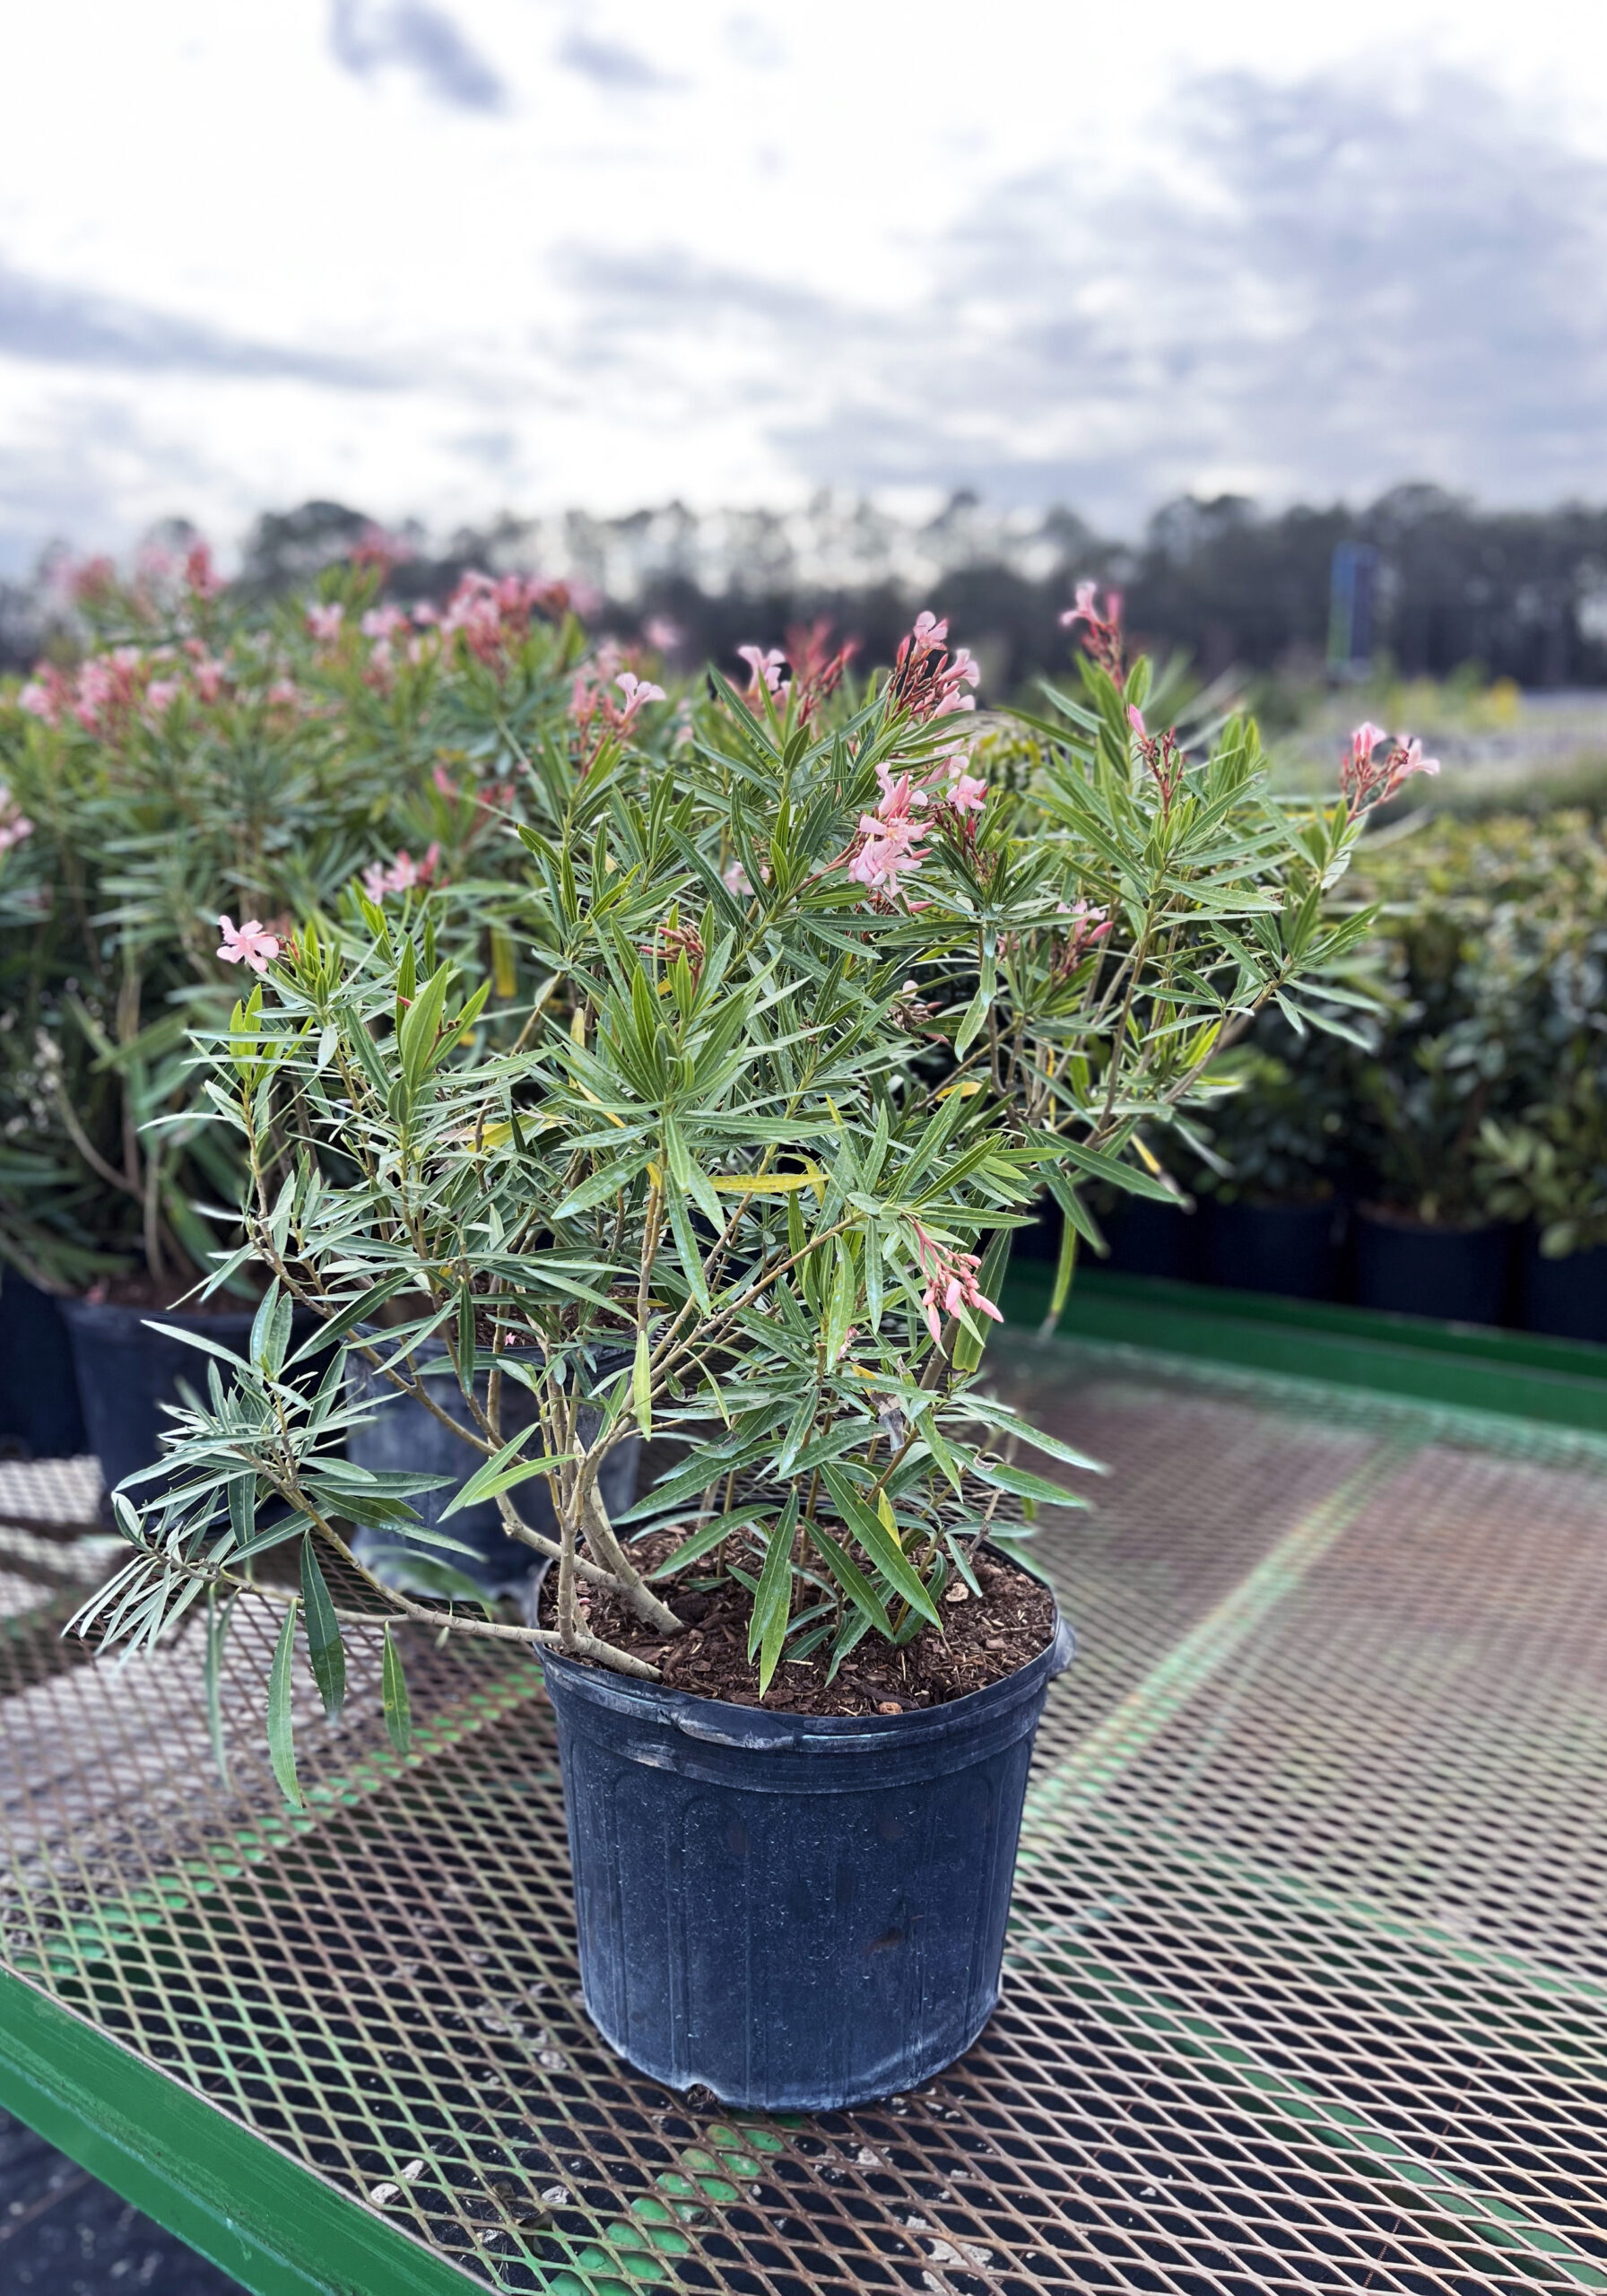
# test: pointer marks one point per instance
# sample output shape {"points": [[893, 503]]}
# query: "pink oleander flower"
{"points": [[735, 879], [108, 689], [884, 852], [595, 713], [381, 549], [765, 680], [925, 681], [325, 622], [818, 668], [1103, 637], [663, 634], [46, 695], [443, 782], [209, 674], [160, 695], [201, 577], [1088, 928], [402, 874], [91, 580], [951, 1282], [384, 622], [284, 694], [637, 691], [967, 793], [1367, 779], [250, 943], [14, 823], [1164, 760]]}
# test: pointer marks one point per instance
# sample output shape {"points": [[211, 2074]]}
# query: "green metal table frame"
{"points": [[280, 2228]]}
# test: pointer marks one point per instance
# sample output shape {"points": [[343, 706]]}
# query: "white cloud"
{"points": [[453, 256]]}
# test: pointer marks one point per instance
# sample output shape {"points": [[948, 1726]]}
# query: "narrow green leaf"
{"points": [[686, 1247], [851, 1578], [882, 1548], [325, 1649], [282, 1744], [217, 1627], [973, 1022], [502, 1472], [708, 1534], [772, 1603], [393, 1691], [1025, 1484], [262, 1325], [419, 1026], [1064, 1268], [357, 1312]]}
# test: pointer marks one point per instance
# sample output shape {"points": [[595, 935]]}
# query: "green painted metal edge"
{"points": [[1558, 1382], [278, 2227]]}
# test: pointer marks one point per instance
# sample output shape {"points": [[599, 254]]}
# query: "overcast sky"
{"points": [[451, 257]]}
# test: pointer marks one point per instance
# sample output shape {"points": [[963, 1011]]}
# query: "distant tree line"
{"points": [[1524, 594]]}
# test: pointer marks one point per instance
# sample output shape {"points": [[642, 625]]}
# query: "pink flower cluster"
{"points": [[1102, 639], [595, 713], [1088, 928], [250, 943], [1367, 779], [893, 837], [402, 874], [1164, 760], [890, 842], [493, 612], [14, 823], [110, 689], [925, 681], [951, 1282], [201, 577]]}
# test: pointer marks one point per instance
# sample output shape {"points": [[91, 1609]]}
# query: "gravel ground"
{"points": [[62, 2231]]}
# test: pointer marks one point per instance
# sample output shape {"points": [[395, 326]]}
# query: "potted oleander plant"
{"points": [[831, 993], [1273, 1189], [1547, 1164], [1448, 1057]]}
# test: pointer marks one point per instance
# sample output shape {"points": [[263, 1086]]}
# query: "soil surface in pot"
{"points": [[984, 1639]]}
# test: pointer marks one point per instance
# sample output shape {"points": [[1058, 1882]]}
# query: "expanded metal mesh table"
{"points": [[1307, 1980]]}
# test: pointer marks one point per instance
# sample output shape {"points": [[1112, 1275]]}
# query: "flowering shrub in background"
{"points": [[206, 759]]}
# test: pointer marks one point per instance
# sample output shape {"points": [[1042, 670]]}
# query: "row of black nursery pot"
{"points": [[797, 1912], [1364, 1254]]}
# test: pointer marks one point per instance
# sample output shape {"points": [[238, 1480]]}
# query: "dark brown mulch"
{"points": [[982, 1641]]}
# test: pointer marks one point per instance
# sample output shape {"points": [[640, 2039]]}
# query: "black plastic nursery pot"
{"points": [[1288, 1248], [1567, 1297], [796, 1912], [1150, 1238], [1456, 1275], [403, 1436], [126, 1371], [39, 1410]]}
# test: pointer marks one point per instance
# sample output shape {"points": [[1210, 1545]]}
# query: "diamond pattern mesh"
{"points": [[1307, 1984]]}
